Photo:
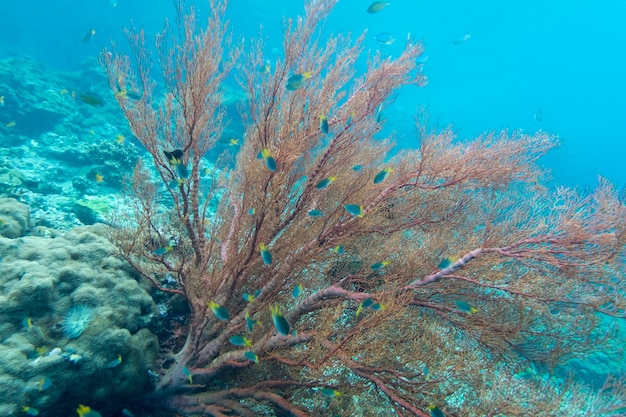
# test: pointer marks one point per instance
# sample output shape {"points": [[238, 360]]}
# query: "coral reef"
{"points": [[68, 308], [14, 218]]}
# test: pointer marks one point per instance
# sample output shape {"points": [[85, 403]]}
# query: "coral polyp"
{"points": [[76, 320]]}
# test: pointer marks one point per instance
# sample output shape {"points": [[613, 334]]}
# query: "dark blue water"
{"points": [[558, 61]]}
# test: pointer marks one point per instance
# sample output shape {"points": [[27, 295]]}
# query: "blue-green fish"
{"points": [[297, 81], [324, 124], [435, 411], [220, 312], [251, 356], [250, 322], [354, 209], [280, 322], [240, 341], [461, 38], [44, 383], [270, 162], [188, 375], [31, 411], [325, 182], [385, 38], [465, 307], [364, 304], [377, 6], [379, 265], [297, 290], [329, 392], [315, 213], [85, 411], [338, 249], [163, 250], [115, 362], [265, 254], [380, 177]]}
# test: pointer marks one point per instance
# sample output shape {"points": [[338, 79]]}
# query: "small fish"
{"points": [[99, 177], [378, 306], [350, 118], [130, 94], [297, 81], [31, 411], [115, 362], [162, 251], [188, 375], [120, 139], [325, 182], [11, 124], [538, 116], [435, 411], [265, 67], [422, 59], [27, 323], [315, 213], [89, 35], [220, 312], [229, 141], [329, 392], [248, 297], [354, 210], [364, 304], [461, 38], [251, 211], [379, 265], [44, 383], [297, 291], [324, 124], [338, 249], [385, 38], [90, 98], [280, 322], [64, 91], [250, 322], [379, 113], [174, 157], [1, 101], [465, 307], [251, 356], [265, 254], [85, 411], [270, 162], [380, 177], [357, 167], [377, 6], [176, 183], [181, 170], [446, 262], [240, 341]]}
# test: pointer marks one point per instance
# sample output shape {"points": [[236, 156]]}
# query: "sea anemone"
{"points": [[76, 320]]}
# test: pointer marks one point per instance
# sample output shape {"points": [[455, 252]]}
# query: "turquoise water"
{"points": [[562, 58], [79, 326]]}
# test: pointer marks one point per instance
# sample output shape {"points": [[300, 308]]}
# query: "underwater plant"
{"points": [[423, 283], [76, 320]]}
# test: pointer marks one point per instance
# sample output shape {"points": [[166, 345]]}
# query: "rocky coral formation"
{"points": [[14, 218], [74, 325]]}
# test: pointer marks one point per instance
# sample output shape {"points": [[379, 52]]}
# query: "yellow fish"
{"points": [[99, 178], [11, 124], [120, 139]]}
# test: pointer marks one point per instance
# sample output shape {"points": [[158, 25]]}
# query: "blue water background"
{"points": [[566, 58]]}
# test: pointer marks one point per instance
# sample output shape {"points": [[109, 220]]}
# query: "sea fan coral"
{"points": [[76, 320]]}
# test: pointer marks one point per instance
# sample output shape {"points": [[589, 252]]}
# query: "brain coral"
{"points": [[68, 307]]}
